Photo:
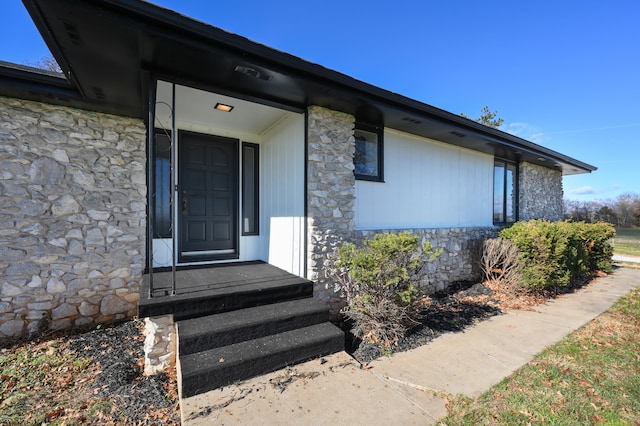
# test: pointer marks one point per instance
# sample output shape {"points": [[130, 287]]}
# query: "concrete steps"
{"points": [[210, 369], [219, 348], [214, 331]]}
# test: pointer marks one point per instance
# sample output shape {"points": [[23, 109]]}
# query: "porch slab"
{"points": [[219, 288]]}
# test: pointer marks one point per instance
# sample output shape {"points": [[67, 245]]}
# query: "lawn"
{"points": [[590, 377], [627, 241]]}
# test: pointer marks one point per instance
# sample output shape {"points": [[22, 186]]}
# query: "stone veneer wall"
{"points": [[458, 261], [72, 216], [331, 193], [540, 193]]}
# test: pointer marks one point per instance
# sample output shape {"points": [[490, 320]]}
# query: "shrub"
{"points": [[554, 254], [499, 261], [377, 281]]}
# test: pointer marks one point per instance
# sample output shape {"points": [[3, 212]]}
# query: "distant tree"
{"points": [[46, 63], [622, 211], [488, 118], [606, 214], [625, 206]]}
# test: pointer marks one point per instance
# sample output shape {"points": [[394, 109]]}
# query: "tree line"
{"points": [[622, 211]]}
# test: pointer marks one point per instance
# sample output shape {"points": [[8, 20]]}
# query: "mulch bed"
{"points": [[118, 352], [110, 389], [461, 305]]}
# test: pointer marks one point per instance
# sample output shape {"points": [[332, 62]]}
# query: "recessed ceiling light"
{"points": [[223, 107]]}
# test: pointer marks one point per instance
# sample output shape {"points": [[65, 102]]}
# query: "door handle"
{"points": [[185, 202]]}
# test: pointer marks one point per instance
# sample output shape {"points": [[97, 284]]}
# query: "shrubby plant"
{"points": [[499, 261], [555, 254], [378, 282]]}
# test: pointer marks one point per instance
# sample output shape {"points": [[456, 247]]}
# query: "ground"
{"points": [[85, 378], [96, 376]]}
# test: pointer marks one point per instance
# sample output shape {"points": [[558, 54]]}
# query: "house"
{"points": [[169, 147]]}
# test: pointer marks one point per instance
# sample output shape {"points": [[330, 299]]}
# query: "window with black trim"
{"points": [[162, 184], [505, 192], [250, 185], [369, 154]]}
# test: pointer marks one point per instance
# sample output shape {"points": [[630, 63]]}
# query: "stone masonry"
{"points": [[331, 193], [159, 343], [540, 193], [72, 217], [459, 258]]}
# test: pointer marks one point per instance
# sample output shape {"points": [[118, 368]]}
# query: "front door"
{"points": [[207, 197]]}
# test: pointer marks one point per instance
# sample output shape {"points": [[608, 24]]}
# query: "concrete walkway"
{"points": [[623, 258], [408, 387]]}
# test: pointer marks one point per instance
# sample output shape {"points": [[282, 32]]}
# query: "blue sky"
{"points": [[563, 74]]}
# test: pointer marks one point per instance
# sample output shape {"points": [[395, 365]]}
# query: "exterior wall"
{"points": [[330, 194], [282, 195], [540, 193], [72, 216], [428, 184], [458, 261]]}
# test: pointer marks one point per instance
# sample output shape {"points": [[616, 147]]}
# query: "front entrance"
{"points": [[207, 197]]}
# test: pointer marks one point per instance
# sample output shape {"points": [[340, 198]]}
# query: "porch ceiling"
{"points": [[195, 108], [103, 45]]}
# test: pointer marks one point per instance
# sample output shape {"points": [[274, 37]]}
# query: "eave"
{"points": [[107, 47]]}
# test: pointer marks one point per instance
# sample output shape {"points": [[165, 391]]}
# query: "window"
{"points": [[250, 185], [162, 184], [368, 157], [505, 192]]}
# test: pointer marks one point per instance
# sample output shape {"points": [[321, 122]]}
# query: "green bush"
{"points": [[377, 281], [554, 254]]}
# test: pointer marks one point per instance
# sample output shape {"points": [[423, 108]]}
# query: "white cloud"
{"points": [[524, 131], [584, 190]]}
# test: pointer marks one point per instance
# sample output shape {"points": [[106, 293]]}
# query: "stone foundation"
{"points": [[459, 259], [72, 217], [159, 344]]}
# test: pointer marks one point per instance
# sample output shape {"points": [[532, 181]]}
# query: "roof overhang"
{"points": [[108, 48]]}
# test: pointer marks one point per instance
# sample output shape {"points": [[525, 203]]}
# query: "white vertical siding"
{"points": [[282, 194], [428, 184]]}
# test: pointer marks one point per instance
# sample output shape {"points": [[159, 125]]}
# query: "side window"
{"points": [[505, 192], [250, 186], [162, 184], [369, 153]]}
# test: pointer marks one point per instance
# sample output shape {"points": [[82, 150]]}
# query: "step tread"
{"points": [[280, 315], [210, 369]]}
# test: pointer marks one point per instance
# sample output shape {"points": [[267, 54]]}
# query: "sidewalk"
{"points": [[623, 258], [404, 389]]}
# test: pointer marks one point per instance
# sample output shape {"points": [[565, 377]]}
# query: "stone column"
{"points": [[330, 194], [540, 193], [159, 343]]}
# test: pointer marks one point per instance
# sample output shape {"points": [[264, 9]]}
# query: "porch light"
{"points": [[223, 107]]}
